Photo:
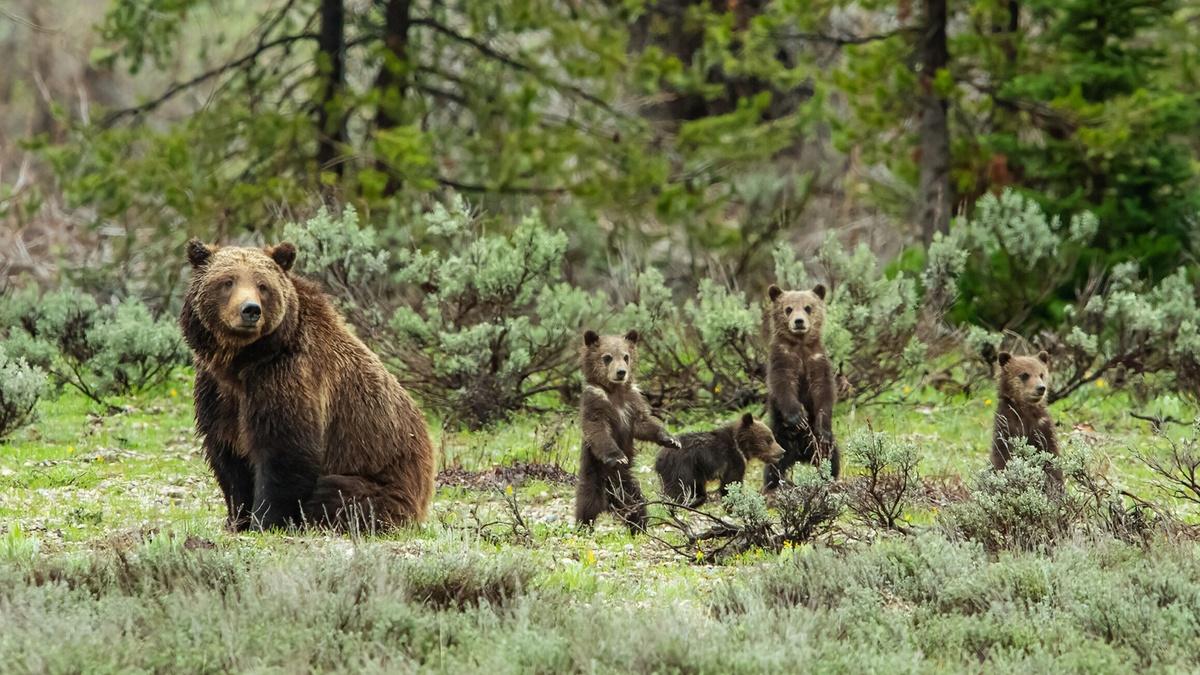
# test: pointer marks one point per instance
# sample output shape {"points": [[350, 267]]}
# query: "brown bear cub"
{"points": [[301, 422], [800, 385], [718, 454], [1021, 410], [613, 413]]}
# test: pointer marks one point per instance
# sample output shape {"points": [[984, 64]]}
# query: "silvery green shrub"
{"points": [[100, 350], [21, 385], [478, 324], [891, 480]]}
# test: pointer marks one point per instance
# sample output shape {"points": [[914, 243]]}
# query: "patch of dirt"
{"points": [[944, 489], [499, 477]]}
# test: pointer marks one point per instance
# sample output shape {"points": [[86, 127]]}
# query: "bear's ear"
{"points": [[1003, 358], [631, 337], [819, 291], [774, 292], [1044, 357], [590, 338], [198, 254], [283, 254], [747, 420]]}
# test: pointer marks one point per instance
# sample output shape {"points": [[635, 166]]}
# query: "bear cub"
{"points": [[800, 384], [613, 413], [718, 454], [1021, 413], [301, 423]]}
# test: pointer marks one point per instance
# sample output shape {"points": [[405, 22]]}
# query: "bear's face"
{"points": [[1025, 378], [797, 314], [609, 359], [241, 294], [756, 441]]}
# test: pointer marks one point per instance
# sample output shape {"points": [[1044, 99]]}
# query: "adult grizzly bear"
{"points": [[1021, 410], [800, 388], [706, 455], [612, 414], [301, 423]]}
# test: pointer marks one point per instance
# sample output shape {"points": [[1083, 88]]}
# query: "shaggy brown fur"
{"points": [[707, 455], [800, 386], [613, 414], [1021, 409], [301, 422]]}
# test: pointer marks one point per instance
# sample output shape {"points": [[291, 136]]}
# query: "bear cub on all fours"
{"points": [[613, 413], [301, 423], [800, 385], [718, 454], [1021, 413]]}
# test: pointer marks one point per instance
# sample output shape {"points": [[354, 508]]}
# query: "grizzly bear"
{"points": [[301, 423], [800, 385], [613, 413], [707, 455], [1021, 410]]}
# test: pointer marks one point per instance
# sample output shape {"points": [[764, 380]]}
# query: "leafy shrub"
{"points": [[21, 385], [103, 351], [477, 326], [1013, 508], [891, 483], [1018, 261]]}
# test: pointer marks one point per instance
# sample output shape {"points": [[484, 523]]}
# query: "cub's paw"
{"points": [[672, 442]]}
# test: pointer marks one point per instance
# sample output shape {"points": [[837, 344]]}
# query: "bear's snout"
{"points": [[799, 325], [620, 374], [1040, 390], [251, 312]]}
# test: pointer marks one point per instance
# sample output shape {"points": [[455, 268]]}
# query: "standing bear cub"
{"points": [[1021, 410], [707, 455], [800, 387], [613, 414], [301, 423]]}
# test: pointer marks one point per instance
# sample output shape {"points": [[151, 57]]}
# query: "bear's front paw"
{"points": [[795, 421], [672, 442], [620, 460]]}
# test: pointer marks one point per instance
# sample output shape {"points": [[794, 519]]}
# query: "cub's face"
{"points": [[1025, 378], [241, 294], [797, 313], [609, 359], [756, 440]]}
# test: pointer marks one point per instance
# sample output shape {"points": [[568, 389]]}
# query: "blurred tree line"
{"points": [[697, 133]]}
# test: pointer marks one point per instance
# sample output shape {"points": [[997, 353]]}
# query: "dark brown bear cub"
{"points": [[1021, 410], [613, 414], [301, 423], [800, 384], [708, 455]]}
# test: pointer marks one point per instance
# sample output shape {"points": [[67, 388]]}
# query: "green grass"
{"points": [[112, 550]]}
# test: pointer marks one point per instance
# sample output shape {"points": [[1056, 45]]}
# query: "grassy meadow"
{"points": [[113, 558]]}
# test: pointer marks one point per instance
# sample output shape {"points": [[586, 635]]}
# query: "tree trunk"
{"points": [[331, 125], [936, 194], [392, 82]]}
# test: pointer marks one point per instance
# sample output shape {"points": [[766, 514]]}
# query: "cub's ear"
{"points": [[198, 253], [747, 420], [1044, 357], [590, 338], [774, 292], [1003, 358], [631, 337], [819, 291], [283, 254]]}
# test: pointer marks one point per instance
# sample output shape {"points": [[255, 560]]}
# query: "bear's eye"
{"points": [[788, 310], [1024, 377], [808, 309], [607, 358], [228, 283], [262, 288], [626, 358]]}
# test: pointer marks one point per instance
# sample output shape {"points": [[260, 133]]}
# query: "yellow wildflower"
{"points": [[987, 401], [717, 389], [508, 490], [907, 390], [589, 558], [1100, 383], [174, 393], [699, 555]]}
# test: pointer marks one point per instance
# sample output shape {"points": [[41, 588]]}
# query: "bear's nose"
{"points": [[620, 374], [799, 323], [1041, 389], [251, 312]]}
